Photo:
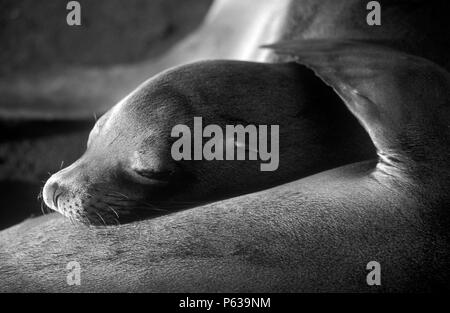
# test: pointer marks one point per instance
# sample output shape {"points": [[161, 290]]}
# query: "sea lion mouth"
{"points": [[100, 207]]}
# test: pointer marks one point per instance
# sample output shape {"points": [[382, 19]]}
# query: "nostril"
{"points": [[56, 195], [51, 193]]}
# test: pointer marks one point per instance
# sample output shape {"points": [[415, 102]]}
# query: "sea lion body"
{"points": [[314, 234], [128, 172]]}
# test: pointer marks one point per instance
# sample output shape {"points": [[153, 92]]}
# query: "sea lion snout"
{"points": [[101, 193], [59, 190], [77, 193]]}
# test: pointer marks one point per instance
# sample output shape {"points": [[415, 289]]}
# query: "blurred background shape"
{"points": [[49, 70], [35, 36]]}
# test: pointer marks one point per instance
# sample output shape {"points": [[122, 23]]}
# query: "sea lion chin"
{"points": [[128, 172]]}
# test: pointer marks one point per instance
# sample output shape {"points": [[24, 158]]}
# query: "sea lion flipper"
{"points": [[402, 100], [341, 64]]}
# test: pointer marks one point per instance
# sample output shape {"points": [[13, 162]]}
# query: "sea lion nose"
{"points": [[51, 193]]}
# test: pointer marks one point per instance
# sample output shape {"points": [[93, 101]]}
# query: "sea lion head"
{"points": [[128, 171], [127, 167]]}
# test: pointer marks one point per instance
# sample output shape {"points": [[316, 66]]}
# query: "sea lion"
{"points": [[314, 234], [128, 172]]}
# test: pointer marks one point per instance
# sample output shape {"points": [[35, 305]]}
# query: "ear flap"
{"points": [[382, 87]]}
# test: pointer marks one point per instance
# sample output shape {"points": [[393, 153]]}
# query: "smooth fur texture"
{"points": [[313, 234]]}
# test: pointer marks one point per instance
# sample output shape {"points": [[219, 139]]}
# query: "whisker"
{"points": [[148, 208], [176, 202], [121, 194], [85, 220], [70, 219], [42, 208], [98, 214], [116, 197], [39, 196], [114, 211]]}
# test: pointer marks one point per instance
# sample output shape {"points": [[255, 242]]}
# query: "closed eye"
{"points": [[154, 175]]}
